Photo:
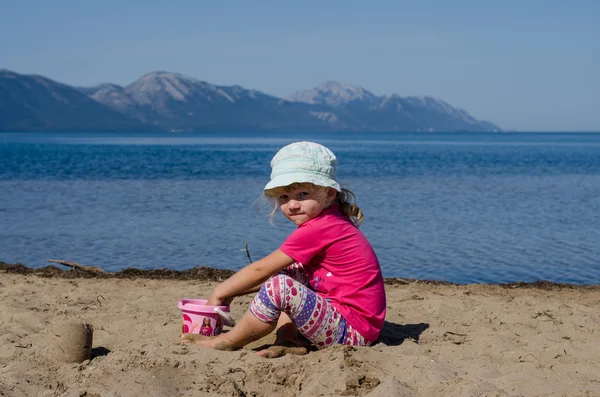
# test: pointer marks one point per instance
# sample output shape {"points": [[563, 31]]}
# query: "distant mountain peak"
{"points": [[332, 93], [161, 77], [164, 79], [179, 87]]}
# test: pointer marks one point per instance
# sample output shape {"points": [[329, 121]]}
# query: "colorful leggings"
{"points": [[313, 315]]}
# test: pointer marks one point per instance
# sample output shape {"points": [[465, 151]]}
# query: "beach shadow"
{"points": [[99, 352], [394, 334]]}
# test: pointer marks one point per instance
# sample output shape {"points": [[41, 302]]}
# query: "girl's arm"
{"points": [[247, 292], [249, 278]]}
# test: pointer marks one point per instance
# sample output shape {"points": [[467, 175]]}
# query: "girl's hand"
{"points": [[249, 279], [213, 300]]}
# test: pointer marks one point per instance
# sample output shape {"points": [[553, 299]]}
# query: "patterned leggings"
{"points": [[313, 315]]}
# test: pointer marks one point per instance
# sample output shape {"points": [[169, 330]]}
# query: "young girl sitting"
{"points": [[324, 281]]}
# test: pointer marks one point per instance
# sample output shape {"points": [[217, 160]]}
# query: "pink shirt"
{"points": [[342, 267]]}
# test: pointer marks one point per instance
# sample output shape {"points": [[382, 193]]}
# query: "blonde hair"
{"points": [[346, 200]]}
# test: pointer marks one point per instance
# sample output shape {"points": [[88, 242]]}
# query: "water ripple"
{"points": [[477, 208]]}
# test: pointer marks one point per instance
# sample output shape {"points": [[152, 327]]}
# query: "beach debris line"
{"points": [[74, 265]]}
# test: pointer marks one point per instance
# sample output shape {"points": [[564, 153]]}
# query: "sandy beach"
{"points": [[439, 340]]}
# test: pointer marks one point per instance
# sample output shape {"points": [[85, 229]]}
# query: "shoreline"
{"points": [[206, 273]]}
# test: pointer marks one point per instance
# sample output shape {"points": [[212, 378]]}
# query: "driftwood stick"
{"points": [[248, 252], [77, 266]]}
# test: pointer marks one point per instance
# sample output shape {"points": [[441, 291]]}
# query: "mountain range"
{"points": [[162, 101]]}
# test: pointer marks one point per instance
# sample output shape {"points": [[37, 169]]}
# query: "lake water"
{"points": [[457, 207]]}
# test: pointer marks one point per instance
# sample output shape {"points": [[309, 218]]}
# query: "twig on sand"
{"points": [[98, 299], [74, 265]]}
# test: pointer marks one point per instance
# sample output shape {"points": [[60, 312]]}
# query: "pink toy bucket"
{"points": [[201, 319]]}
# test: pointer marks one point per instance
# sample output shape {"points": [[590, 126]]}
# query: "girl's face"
{"points": [[304, 203]]}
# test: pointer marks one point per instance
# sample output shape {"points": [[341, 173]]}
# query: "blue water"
{"points": [[457, 207]]}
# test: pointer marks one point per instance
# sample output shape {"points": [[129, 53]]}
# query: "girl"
{"points": [[324, 280]]}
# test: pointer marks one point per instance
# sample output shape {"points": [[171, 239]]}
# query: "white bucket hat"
{"points": [[302, 162]]}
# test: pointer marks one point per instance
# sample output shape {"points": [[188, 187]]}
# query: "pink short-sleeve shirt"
{"points": [[342, 267]]}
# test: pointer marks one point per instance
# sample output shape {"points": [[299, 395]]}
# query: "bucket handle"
{"points": [[227, 319]]}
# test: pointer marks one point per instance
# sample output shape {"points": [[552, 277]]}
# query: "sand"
{"points": [[439, 340]]}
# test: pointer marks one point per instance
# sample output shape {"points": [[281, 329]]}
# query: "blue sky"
{"points": [[528, 65]]}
